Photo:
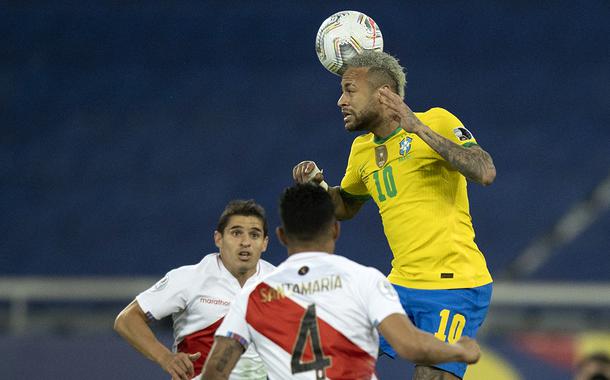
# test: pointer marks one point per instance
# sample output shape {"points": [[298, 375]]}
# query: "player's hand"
{"points": [[470, 348], [307, 171], [399, 110], [180, 365]]}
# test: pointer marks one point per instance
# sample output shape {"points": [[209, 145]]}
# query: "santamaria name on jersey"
{"points": [[324, 284]]}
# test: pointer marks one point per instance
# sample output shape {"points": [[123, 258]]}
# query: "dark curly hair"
{"points": [[306, 211]]}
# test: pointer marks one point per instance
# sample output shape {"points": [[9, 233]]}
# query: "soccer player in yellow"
{"points": [[414, 166]]}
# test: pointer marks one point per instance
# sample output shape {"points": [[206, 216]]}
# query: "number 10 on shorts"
{"points": [[455, 330]]}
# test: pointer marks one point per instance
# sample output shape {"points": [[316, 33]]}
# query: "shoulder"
{"points": [[438, 116], [265, 266], [354, 268], [363, 139], [206, 265]]}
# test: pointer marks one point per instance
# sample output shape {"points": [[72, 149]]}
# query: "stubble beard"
{"points": [[365, 121]]}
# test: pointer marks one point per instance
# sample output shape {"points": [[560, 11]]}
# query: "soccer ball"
{"points": [[344, 35]]}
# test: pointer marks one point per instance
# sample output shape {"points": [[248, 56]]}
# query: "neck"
{"points": [[384, 129], [295, 248], [241, 276]]}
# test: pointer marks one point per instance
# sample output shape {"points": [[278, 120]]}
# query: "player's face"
{"points": [[241, 244], [358, 102]]}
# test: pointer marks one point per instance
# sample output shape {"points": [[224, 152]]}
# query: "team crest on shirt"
{"points": [[381, 155], [405, 146], [161, 284], [462, 133]]}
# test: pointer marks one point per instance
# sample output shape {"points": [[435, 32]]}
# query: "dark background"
{"points": [[125, 128]]}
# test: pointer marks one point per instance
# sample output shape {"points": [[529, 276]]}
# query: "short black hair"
{"points": [[244, 208], [306, 212]]}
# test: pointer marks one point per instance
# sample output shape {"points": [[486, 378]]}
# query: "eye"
{"points": [[236, 232], [255, 235]]}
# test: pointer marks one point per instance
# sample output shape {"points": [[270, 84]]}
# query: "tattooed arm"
{"points": [[222, 358], [473, 162]]}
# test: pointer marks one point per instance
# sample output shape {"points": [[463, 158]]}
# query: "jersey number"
{"points": [[388, 182], [309, 328], [455, 331]]}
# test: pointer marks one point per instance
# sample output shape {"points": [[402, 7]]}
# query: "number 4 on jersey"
{"points": [[309, 329]]}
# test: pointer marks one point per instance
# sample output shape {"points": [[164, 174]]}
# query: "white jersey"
{"points": [[314, 317], [198, 297]]}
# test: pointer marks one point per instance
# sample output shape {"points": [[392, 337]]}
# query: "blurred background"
{"points": [[125, 128]]}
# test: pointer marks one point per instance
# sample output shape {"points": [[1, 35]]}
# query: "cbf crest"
{"points": [[381, 155], [405, 146]]}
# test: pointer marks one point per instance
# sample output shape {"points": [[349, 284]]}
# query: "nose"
{"points": [[342, 100], [246, 241]]}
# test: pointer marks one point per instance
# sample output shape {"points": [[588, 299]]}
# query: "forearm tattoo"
{"points": [[226, 356], [474, 163]]}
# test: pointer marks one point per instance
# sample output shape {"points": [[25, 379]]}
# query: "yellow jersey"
{"points": [[423, 204]]}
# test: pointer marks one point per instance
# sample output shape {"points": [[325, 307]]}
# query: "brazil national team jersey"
{"points": [[423, 204]]}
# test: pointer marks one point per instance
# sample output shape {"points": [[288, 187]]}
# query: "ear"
{"points": [[265, 244], [218, 239], [281, 235], [336, 230]]}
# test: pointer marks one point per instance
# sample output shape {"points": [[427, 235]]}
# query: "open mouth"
{"points": [[244, 255]]}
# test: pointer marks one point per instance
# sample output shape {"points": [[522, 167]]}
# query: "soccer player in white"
{"points": [[317, 315], [198, 297]]}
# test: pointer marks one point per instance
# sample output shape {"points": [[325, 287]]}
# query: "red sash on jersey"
{"points": [[199, 341], [279, 320]]}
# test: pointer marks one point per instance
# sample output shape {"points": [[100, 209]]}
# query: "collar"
{"points": [[306, 255]]}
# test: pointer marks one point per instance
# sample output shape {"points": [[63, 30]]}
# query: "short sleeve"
{"points": [[166, 297], [449, 126], [352, 185], [234, 324], [380, 297]]}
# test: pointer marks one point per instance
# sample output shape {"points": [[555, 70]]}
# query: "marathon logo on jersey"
{"points": [[462, 133], [324, 284], [381, 155], [161, 284], [213, 301]]}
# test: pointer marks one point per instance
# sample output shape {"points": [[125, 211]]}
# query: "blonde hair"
{"points": [[383, 69]]}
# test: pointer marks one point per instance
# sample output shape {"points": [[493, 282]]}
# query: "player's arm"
{"points": [[423, 348], [132, 325], [473, 162], [345, 208], [222, 358]]}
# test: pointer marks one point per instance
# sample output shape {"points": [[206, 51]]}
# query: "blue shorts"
{"points": [[448, 314]]}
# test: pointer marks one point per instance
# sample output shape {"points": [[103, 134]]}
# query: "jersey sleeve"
{"points": [[449, 126], [166, 297], [380, 297], [234, 324], [352, 185]]}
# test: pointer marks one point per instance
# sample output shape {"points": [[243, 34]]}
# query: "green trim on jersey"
{"points": [[345, 194], [469, 144], [378, 140]]}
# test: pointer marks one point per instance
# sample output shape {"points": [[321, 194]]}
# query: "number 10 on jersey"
{"points": [[455, 330], [387, 178]]}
